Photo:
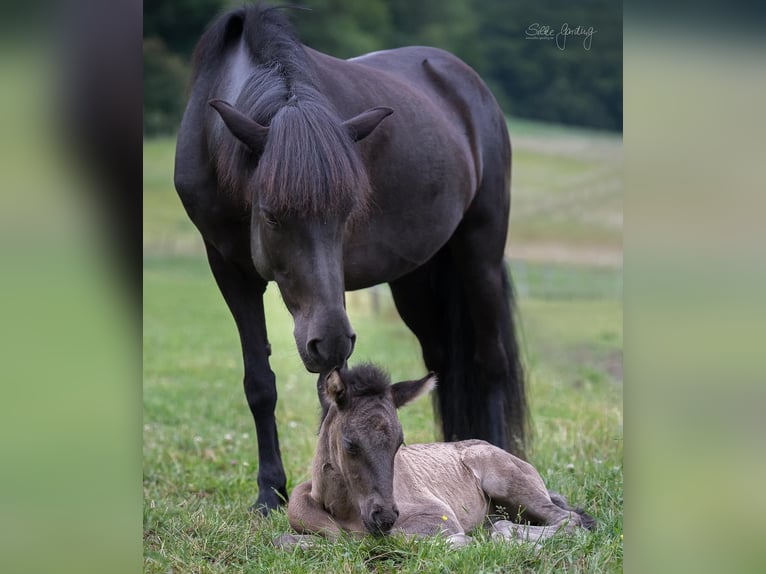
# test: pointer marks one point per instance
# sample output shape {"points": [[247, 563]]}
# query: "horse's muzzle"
{"points": [[325, 354]]}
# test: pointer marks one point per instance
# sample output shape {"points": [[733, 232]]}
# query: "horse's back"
{"points": [[445, 80], [406, 62], [410, 64]]}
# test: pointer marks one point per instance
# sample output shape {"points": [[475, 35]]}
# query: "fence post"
{"points": [[519, 276], [375, 300]]}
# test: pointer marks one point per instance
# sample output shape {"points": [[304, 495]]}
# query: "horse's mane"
{"points": [[269, 35], [309, 164]]}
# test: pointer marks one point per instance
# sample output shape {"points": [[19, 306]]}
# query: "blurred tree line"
{"points": [[533, 79]]}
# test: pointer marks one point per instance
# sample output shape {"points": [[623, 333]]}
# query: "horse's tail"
{"points": [[588, 522], [461, 399]]}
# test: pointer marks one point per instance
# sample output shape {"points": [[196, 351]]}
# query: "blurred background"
{"points": [[530, 78]]}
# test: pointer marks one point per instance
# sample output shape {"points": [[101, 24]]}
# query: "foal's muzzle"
{"points": [[381, 520]]}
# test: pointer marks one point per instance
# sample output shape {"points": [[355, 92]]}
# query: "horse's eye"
{"points": [[269, 218]]}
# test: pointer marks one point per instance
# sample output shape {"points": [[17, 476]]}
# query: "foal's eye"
{"points": [[350, 447]]}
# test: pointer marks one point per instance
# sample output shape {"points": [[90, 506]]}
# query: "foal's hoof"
{"points": [[267, 501], [292, 542], [458, 540]]}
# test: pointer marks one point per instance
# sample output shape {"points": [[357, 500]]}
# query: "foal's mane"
{"points": [[309, 164], [366, 380]]}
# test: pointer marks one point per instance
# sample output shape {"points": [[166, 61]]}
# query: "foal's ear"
{"points": [[335, 388], [246, 130], [407, 391], [365, 123]]}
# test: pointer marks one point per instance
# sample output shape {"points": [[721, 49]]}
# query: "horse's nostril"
{"points": [[352, 344], [313, 348]]}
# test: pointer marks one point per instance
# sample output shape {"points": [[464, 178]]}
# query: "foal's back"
{"points": [[434, 488], [455, 486]]}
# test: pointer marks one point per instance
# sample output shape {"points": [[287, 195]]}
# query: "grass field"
{"points": [[199, 441]]}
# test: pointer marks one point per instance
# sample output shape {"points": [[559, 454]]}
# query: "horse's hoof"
{"points": [[268, 501]]}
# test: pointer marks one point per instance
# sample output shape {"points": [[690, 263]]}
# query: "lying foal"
{"points": [[365, 481]]}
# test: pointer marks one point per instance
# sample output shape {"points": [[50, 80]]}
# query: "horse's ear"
{"points": [[246, 130], [407, 391], [359, 127], [335, 388]]}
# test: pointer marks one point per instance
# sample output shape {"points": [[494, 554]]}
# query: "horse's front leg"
{"points": [[243, 289]]}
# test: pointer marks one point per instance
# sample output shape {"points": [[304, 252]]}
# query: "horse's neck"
{"points": [[328, 485]]}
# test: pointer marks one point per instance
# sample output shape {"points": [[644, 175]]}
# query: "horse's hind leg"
{"points": [[421, 311], [243, 291], [478, 248], [432, 302]]}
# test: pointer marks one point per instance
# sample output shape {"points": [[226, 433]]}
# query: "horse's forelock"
{"points": [[309, 165]]}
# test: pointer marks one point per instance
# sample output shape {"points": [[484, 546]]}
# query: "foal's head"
{"points": [[363, 434]]}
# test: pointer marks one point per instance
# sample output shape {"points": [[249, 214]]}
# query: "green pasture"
{"points": [[200, 456], [566, 187]]}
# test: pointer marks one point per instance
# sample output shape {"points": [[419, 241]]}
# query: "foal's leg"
{"points": [[522, 532], [429, 520], [307, 517], [243, 289], [515, 485]]}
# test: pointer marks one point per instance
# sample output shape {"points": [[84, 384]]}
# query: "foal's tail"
{"points": [[588, 522], [462, 393]]}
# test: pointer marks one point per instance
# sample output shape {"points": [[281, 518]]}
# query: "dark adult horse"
{"points": [[268, 169]]}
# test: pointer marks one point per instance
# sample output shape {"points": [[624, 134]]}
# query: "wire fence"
{"points": [[532, 280], [561, 281]]}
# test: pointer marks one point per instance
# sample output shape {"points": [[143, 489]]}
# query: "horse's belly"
{"points": [[374, 263], [400, 237]]}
